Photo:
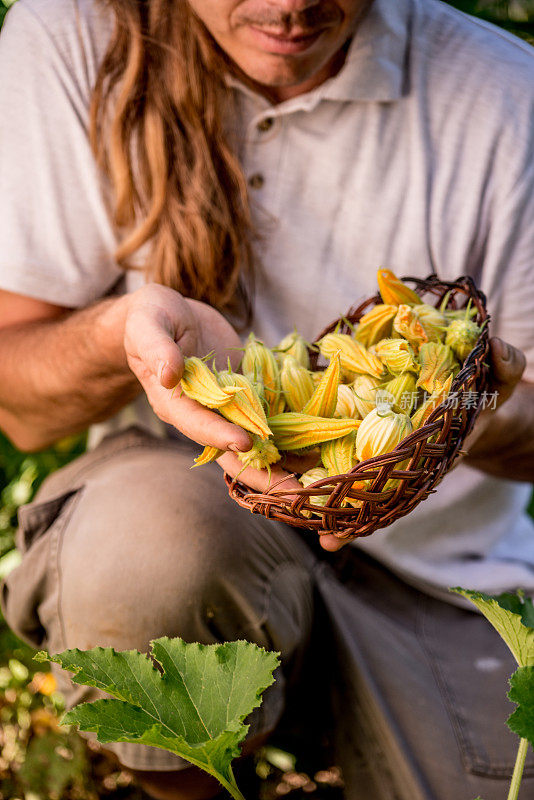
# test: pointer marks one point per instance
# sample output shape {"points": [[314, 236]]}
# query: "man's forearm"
{"points": [[506, 447], [57, 377]]}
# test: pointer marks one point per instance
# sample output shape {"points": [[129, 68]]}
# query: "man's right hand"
{"points": [[65, 369], [163, 328]]}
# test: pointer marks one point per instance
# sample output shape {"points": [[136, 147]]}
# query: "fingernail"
{"points": [[234, 448], [166, 375], [506, 351]]}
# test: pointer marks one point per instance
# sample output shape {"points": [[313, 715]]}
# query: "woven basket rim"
{"points": [[285, 504]]}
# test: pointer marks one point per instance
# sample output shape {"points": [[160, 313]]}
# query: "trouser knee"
{"points": [[151, 552]]}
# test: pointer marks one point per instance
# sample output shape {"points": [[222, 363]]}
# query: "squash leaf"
{"points": [[191, 699], [522, 693], [512, 616]]}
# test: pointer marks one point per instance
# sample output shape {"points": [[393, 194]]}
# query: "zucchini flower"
{"points": [[419, 324], [375, 325], [462, 335], [379, 434], [397, 355], [393, 291], [437, 363]]}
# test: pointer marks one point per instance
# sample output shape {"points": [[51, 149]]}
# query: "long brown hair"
{"points": [[157, 130]]}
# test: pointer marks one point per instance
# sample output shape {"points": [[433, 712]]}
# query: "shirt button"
{"points": [[256, 181], [265, 124]]}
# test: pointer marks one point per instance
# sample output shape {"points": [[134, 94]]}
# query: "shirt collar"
{"points": [[375, 64], [376, 61]]}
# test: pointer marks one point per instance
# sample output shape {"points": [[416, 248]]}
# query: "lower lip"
{"points": [[280, 46]]}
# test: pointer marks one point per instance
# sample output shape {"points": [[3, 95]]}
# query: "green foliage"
{"points": [[39, 759], [521, 721], [28, 712], [4, 5], [517, 16], [57, 767], [21, 474], [50, 768], [518, 604], [192, 703], [512, 616]]}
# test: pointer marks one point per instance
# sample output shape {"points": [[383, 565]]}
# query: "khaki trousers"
{"points": [[127, 544]]}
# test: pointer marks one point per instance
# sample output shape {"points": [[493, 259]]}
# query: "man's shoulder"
{"points": [[64, 22], [50, 13], [461, 49]]}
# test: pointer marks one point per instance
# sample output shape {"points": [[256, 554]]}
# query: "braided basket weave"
{"points": [[425, 455]]}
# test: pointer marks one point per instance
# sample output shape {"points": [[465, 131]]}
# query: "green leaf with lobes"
{"points": [[190, 699], [512, 616]]}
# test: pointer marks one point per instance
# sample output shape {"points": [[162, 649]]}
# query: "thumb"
{"points": [[147, 341], [331, 543], [507, 367]]}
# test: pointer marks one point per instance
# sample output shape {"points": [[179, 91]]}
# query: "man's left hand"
{"points": [[507, 365]]}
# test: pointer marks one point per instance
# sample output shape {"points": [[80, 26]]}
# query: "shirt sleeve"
{"points": [[56, 239]]}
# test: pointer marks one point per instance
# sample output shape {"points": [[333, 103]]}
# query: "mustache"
{"points": [[309, 19]]}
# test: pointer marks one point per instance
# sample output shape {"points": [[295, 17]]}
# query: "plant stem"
{"points": [[228, 781], [232, 788], [518, 769]]}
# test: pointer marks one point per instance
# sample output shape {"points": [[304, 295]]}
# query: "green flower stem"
{"points": [[229, 785], [234, 791], [518, 770]]}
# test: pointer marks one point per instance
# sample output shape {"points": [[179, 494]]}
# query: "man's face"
{"points": [[285, 46]]}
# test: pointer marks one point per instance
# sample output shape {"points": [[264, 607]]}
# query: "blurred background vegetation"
{"points": [[516, 16], [38, 759]]}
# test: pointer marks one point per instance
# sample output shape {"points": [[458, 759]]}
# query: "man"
{"points": [[370, 133]]}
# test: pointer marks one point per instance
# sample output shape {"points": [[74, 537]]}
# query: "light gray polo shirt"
{"points": [[417, 156]]}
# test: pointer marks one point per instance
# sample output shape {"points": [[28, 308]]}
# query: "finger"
{"points": [[148, 340], [507, 367], [205, 426], [300, 464], [258, 479], [484, 421], [331, 543]]}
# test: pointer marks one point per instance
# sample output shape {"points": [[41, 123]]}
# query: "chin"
{"points": [[279, 74]]}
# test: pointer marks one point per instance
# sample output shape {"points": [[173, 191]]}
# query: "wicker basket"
{"points": [[425, 455]]}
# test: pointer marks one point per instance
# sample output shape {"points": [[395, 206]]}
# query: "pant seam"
{"points": [[467, 755], [57, 541]]}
